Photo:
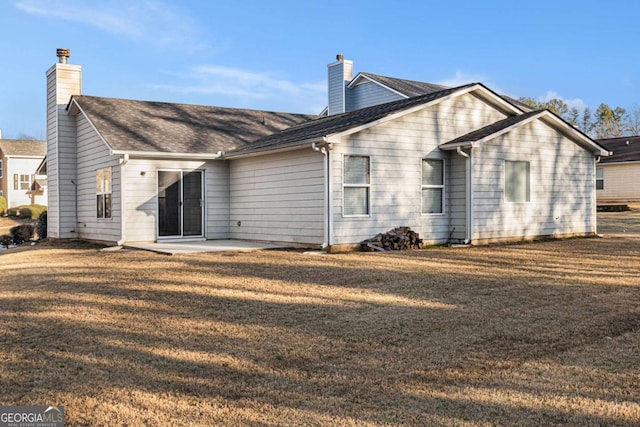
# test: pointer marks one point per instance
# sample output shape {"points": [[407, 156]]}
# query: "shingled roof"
{"points": [[412, 88], [158, 127], [625, 149], [488, 130], [317, 129], [23, 147], [409, 88]]}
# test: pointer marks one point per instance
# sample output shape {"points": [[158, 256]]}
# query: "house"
{"points": [[19, 160], [617, 175], [459, 163]]}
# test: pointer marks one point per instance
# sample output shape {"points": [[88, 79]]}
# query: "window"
{"points": [[599, 179], [1, 169], [356, 184], [432, 186], [517, 182], [103, 192]]}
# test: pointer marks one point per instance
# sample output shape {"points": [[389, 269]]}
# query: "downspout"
{"points": [[469, 193], [594, 210], [123, 161], [327, 192]]}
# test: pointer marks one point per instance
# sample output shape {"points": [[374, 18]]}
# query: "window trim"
{"points": [[22, 182], [104, 194], [529, 192], [367, 186], [425, 186], [599, 179]]}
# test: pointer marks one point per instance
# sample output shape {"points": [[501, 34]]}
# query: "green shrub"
{"points": [[6, 240], [41, 225], [22, 233], [3, 205], [27, 211]]}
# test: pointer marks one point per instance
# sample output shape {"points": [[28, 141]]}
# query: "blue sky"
{"points": [[272, 55]]}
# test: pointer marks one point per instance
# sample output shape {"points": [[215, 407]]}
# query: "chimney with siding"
{"points": [[63, 81], [340, 74]]}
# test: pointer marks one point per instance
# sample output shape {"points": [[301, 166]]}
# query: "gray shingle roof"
{"points": [[409, 88], [324, 126], [622, 152], [414, 88], [481, 133], [23, 147], [144, 126]]}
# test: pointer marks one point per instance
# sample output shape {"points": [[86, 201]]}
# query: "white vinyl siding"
{"points": [[562, 180], [356, 184], [368, 94], [619, 182], [93, 155], [18, 177], [141, 196], [433, 188], [517, 181], [396, 148], [63, 80], [278, 197]]}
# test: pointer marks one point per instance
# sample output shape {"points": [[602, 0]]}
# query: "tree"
{"points": [[586, 123], [632, 124], [609, 122], [573, 116]]}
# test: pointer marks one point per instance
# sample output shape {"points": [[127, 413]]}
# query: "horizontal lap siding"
{"points": [[620, 183], [93, 154], [396, 150], [278, 197], [141, 202], [561, 186], [369, 94]]}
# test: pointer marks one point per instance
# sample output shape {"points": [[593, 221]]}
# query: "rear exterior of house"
{"points": [[618, 174], [19, 160], [323, 182]]}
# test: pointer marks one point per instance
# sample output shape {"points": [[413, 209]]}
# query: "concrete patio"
{"points": [[173, 248]]}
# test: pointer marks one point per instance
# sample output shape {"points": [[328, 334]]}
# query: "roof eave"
{"points": [[164, 154], [269, 150]]}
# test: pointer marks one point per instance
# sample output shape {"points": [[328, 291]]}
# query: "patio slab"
{"points": [[173, 248]]}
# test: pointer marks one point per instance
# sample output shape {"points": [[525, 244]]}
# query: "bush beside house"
{"points": [[3, 206], [27, 211]]}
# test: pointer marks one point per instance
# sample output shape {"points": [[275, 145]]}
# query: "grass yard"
{"points": [[531, 334]]}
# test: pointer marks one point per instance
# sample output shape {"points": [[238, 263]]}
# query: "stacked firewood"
{"points": [[400, 238]]}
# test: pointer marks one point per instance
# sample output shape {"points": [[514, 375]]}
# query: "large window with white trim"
{"points": [[599, 179], [432, 186], [356, 185], [517, 181], [103, 193]]}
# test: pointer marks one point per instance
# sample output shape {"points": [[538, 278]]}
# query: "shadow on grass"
{"points": [[444, 337]]}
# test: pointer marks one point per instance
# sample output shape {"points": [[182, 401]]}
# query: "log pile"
{"points": [[400, 238]]}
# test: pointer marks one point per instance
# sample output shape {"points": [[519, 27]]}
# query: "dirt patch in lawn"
{"points": [[530, 334], [620, 223]]}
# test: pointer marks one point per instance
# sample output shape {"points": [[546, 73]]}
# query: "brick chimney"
{"points": [[340, 74], [63, 81]]}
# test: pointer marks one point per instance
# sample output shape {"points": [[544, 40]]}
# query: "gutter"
{"points": [[469, 192]]}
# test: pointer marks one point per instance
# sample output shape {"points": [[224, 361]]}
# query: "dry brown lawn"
{"points": [[531, 334]]}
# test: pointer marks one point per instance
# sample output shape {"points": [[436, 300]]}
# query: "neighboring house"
{"points": [[618, 175], [459, 163], [19, 160]]}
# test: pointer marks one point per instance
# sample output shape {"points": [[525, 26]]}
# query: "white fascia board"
{"points": [[630, 162], [336, 137], [160, 154], [297, 146], [462, 144], [362, 76], [20, 156], [74, 104], [498, 99]]}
